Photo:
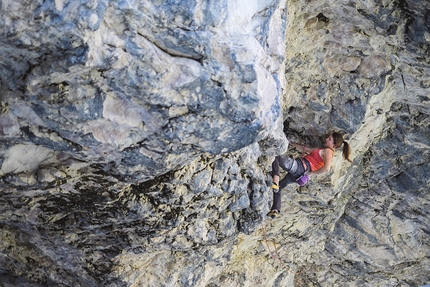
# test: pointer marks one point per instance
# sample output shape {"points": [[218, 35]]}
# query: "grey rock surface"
{"points": [[137, 137]]}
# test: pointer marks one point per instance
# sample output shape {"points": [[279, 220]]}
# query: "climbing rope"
{"points": [[277, 255]]}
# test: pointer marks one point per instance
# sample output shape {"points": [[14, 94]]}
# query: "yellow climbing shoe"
{"points": [[273, 213], [275, 187]]}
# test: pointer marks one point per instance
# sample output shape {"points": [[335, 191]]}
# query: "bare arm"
{"points": [[303, 148]]}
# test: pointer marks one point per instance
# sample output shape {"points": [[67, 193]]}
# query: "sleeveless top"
{"points": [[315, 160]]}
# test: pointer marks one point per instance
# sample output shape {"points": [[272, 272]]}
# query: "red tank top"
{"points": [[315, 160]]}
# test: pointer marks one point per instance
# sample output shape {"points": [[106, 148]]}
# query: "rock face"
{"points": [[138, 84], [137, 137]]}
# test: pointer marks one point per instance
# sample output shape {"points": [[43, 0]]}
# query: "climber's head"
{"points": [[338, 141]]}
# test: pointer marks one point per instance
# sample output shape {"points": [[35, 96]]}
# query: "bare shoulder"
{"points": [[327, 152]]}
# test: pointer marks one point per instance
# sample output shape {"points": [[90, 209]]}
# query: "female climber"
{"points": [[317, 161]]}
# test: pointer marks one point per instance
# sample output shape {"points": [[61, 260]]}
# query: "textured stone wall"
{"points": [[138, 84], [136, 140], [129, 135], [360, 67]]}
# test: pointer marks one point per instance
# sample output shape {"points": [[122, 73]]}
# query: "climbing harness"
{"points": [[304, 178]]}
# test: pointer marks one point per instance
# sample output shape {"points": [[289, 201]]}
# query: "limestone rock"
{"points": [[140, 84], [137, 139]]}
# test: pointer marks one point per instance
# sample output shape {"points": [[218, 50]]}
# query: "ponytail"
{"points": [[346, 151]]}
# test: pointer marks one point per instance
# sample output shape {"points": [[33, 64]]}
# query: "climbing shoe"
{"points": [[274, 187], [273, 213]]}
